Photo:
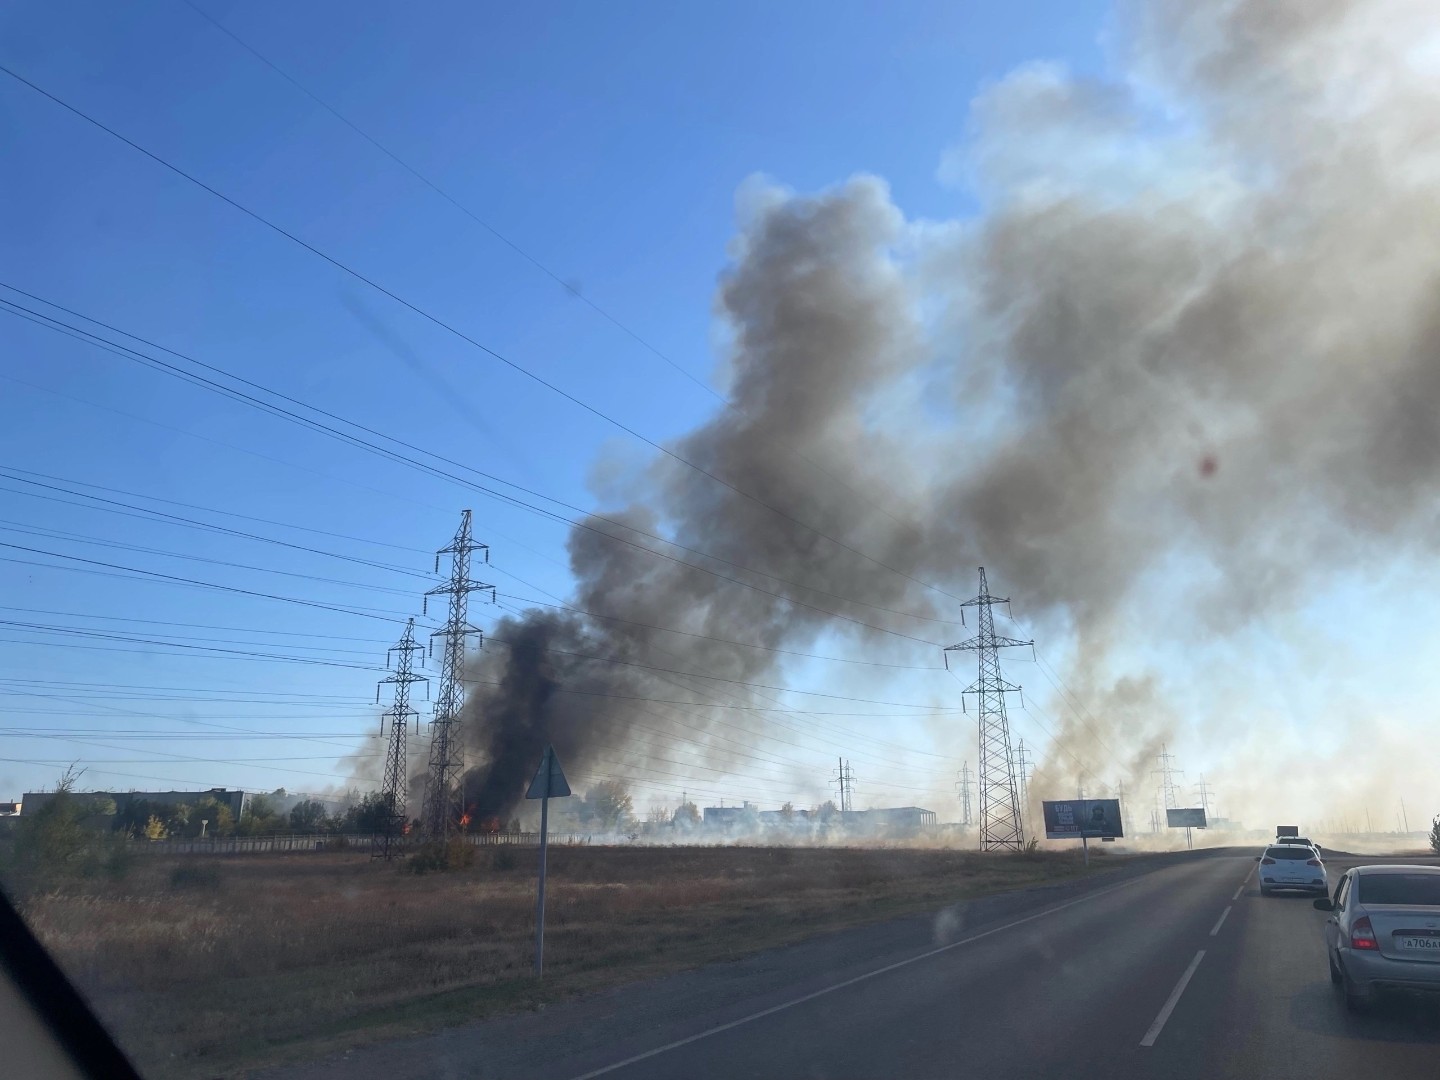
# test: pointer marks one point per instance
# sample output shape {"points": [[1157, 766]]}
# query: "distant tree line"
{"points": [[144, 819]]}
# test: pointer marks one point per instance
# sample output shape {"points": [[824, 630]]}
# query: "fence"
{"points": [[265, 845]]}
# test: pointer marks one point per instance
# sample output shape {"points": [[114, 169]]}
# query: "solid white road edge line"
{"points": [[1172, 1001], [1219, 922], [851, 982]]}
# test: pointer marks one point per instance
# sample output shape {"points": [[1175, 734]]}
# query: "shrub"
{"points": [[505, 859], [437, 856], [1435, 836], [195, 875]]}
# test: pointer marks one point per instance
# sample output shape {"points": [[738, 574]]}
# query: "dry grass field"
{"points": [[204, 966]]}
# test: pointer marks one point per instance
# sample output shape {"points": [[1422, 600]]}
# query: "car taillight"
{"points": [[1267, 861], [1313, 862], [1362, 934]]}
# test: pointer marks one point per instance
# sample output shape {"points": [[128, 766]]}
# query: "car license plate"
{"points": [[1419, 944]]}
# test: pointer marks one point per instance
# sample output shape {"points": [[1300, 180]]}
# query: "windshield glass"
{"points": [[530, 532], [1399, 889]]}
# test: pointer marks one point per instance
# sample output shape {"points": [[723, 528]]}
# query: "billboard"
{"points": [[1186, 818], [1075, 818]]}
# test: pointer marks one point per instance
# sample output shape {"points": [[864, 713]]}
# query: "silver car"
{"points": [[1384, 931], [1292, 866]]}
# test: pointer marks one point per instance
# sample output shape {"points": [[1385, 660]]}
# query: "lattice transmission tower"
{"points": [[966, 785], [1002, 825], [1022, 764], [443, 810], [1169, 787], [394, 786], [1203, 791], [845, 782]]}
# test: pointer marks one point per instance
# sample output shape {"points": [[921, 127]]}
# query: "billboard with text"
{"points": [[1072, 819], [1192, 817]]}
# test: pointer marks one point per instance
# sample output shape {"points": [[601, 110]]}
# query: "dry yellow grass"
{"points": [[283, 955]]}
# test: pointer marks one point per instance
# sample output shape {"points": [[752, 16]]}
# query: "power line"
{"points": [[117, 545], [461, 335], [508, 242], [584, 522]]}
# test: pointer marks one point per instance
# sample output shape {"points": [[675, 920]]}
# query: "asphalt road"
{"points": [[1184, 971]]}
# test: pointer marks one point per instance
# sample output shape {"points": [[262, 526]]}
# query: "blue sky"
{"points": [[608, 144]]}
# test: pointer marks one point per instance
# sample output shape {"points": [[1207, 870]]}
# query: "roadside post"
{"points": [[1082, 819], [1187, 818], [549, 783]]}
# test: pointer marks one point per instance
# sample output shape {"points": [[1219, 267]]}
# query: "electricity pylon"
{"points": [[967, 779], [1002, 825], [396, 780], [845, 781], [1203, 791], [1168, 772], [447, 744]]}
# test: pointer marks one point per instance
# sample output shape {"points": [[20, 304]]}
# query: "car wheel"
{"points": [[1335, 977], [1357, 1000], [1264, 890]]}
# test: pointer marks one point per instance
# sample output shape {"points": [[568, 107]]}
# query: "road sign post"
{"points": [[549, 783]]}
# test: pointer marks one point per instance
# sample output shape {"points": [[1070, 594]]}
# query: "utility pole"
{"points": [[1022, 759], [1168, 772], [845, 779], [966, 779], [1404, 817], [1203, 793], [393, 787], [1002, 825], [443, 796]]}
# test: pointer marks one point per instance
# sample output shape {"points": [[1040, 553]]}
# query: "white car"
{"points": [[1292, 866]]}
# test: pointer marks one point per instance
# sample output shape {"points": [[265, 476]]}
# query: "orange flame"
{"points": [[465, 819]]}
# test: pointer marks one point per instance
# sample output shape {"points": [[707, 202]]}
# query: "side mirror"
{"points": [[1257, 858], [1323, 904]]}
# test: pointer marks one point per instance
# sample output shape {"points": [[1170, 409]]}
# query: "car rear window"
{"points": [[1399, 889], [1303, 854]]}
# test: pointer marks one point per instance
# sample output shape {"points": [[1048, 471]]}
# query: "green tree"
{"points": [[177, 819], [687, 816], [63, 838], [308, 816], [260, 817], [610, 803], [370, 815], [216, 816], [1435, 836]]}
